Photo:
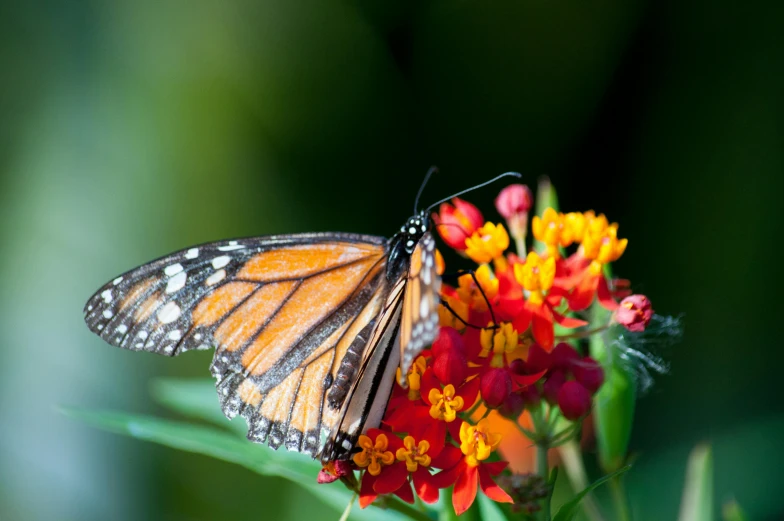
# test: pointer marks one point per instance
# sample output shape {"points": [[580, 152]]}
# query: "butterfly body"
{"points": [[308, 328]]}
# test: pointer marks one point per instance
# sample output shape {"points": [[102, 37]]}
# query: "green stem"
{"points": [[582, 334], [543, 469], [575, 469], [619, 499]]}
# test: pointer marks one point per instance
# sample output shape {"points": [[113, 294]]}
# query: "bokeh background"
{"points": [[131, 129]]}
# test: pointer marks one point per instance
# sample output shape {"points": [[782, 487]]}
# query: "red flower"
{"points": [[470, 473], [456, 223]]}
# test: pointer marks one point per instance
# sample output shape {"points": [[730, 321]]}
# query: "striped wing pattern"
{"points": [[282, 311]]}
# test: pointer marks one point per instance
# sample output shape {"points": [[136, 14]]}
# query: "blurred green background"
{"points": [[128, 130]]}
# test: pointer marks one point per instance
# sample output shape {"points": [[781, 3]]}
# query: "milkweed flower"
{"points": [[497, 361]]}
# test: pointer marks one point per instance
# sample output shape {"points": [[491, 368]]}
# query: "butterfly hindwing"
{"points": [[282, 311]]}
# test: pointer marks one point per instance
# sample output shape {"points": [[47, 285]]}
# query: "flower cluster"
{"points": [[501, 354]]}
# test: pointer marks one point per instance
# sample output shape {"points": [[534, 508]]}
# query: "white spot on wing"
{"points": [[107, 296], [142, 335], [172, 270], [216, 277], [192, 253], [177, 282], [219, 262], [231, 247], [108, 313], [175, 334], [117, 280], [122, 329], [169, 313], [424, 307]]}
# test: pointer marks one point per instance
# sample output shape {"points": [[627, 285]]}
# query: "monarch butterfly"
{"points": [[309, 329]]}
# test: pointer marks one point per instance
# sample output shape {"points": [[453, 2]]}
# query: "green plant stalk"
{"points": [[575, 470], [619, 499], [543, 469]]}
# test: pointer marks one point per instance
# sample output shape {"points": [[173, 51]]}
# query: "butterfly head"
{"points": [[413, 230]]}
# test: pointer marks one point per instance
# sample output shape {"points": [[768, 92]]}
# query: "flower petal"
{"points": [[391, 478], [465, 490], [448, 458], [405, 494], [448, 477], [543, 326], [604, 295], [366, 493], [569, 322], [424, 486], [490, 488]]}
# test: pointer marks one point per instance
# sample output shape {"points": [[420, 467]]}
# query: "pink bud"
{"points": [[574, 400], [514, 200], [634, 313], [448, 339], [339, 469], [495, 385], [589, 373], [450, 367], [553, 385]]}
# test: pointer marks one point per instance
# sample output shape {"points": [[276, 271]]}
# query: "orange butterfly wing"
{"points": [[282, 312]]}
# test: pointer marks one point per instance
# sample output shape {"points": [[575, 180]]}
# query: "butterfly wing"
{"points": [[419, 316], [283, 313]]}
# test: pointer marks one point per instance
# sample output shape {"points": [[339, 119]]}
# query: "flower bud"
{"points": [[589, 373], [530, 396], [456, 223], [634, 313], [553, 385], [563, 356], [495, 385], [514, 200], [538, 359], [450, 367], [513, 405], [448, 339], [574, 400]]}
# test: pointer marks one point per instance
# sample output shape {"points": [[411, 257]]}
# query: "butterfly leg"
{"points": [[453, 279]]}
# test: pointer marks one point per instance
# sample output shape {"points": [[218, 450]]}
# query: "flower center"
{"points": [[445, 405], [374, 455], [413, 454]]}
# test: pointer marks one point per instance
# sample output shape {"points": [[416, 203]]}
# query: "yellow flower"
{"points": [[487, 243], [477, 442], [500, 341], [469, 292], [536, 276], [374, 455], [601, 244], [445, 405], [413, 454], [554, 230], [574, 226]]}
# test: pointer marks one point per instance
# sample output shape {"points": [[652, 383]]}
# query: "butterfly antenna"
{"points": [[491, 181], [430, 172]]}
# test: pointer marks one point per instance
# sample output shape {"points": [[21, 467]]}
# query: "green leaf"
{"points": [[226, 446], [489, 509], [194, 398], [569, 510], [697, 499]]}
